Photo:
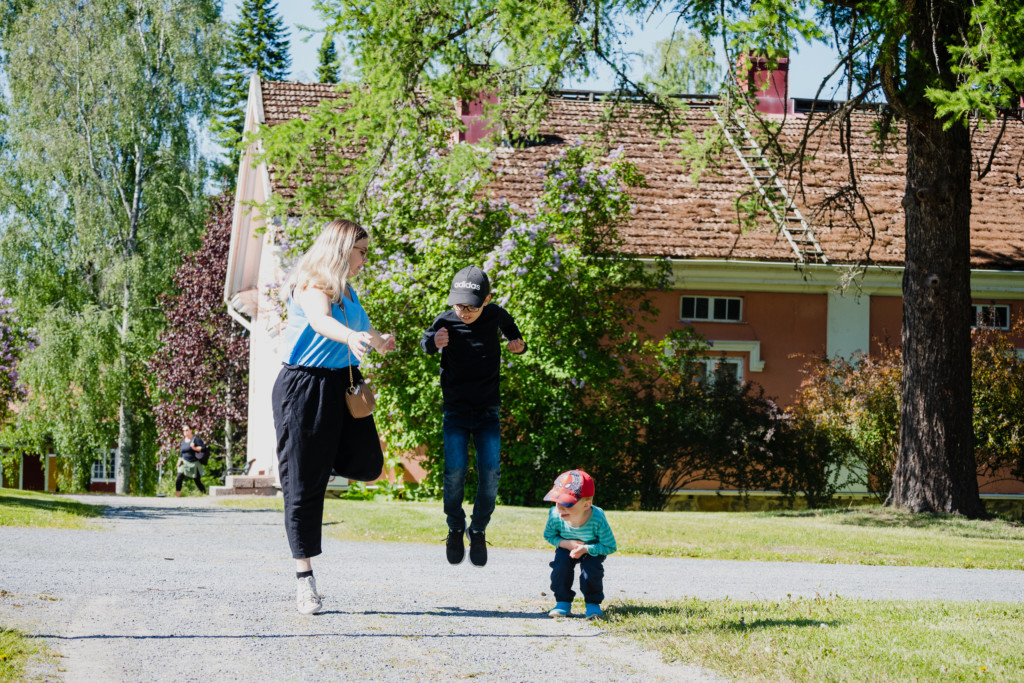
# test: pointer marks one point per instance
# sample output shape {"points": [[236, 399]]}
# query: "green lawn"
{"points": [[862, 535], [15, 651], [832, 639], [31, 508]]}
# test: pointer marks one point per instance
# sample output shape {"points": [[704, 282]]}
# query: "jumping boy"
{"points": [[580, 533], [467, 336]]}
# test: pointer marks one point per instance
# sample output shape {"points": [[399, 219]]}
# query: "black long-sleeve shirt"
{"points": [[471, 362]]}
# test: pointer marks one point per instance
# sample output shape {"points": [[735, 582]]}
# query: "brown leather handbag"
{"points": [[359, 397]]}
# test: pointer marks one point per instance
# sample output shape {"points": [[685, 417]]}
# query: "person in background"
{"points": [[189, 465]]}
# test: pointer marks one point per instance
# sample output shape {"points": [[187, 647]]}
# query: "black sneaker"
{"points": [[455, 547], [477, 548]]}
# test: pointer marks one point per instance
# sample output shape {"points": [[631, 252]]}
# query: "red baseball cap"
{"points": [[570, 487]]}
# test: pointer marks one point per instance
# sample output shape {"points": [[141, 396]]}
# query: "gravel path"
{"points": [[185, 590]]}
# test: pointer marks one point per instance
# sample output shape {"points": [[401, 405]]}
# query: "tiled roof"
{"points": [[678, 217]]}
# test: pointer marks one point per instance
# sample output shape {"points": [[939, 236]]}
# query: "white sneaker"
{"points": [[307, 600]]}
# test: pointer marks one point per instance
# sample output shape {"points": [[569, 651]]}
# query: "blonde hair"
{"points": [[325, 264]]}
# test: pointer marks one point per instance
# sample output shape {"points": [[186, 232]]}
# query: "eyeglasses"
{"points": [[459, 308]]}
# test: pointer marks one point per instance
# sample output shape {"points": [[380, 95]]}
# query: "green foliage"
{"points": [[557, 268], [682, 64], [201, 370], [102, 187], [15, 341], [998, 392], [328, 69], [258, 45], [987, 60], [856, 405]]}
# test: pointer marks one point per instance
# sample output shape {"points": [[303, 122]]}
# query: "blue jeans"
{"points": [[484, 428], [591, 577]]}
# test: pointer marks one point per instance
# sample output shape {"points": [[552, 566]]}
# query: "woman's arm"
{"points": [[317, 307]]}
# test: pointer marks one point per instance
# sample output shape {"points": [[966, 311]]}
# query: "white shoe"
{"points": [[307, 600]]}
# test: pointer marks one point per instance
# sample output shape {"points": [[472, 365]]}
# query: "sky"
{"points": [[806, 68]]}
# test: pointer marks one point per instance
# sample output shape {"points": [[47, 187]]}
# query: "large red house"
{"points": [[815, 272]]}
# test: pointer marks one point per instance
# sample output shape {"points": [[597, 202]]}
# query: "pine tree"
{"points": [[327, 72], [258, 45]]}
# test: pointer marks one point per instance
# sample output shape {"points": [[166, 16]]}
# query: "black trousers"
{"points": [[181, 479], [317, 437]]}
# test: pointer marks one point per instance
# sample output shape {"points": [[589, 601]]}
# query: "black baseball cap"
{"points": [[470, 287]]}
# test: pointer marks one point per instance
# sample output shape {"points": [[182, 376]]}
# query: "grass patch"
{"points": [[15, 650], [863, 535], [832, 639], [31, 508]]}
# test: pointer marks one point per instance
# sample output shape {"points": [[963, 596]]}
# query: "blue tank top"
{"points": [[304, 346]]}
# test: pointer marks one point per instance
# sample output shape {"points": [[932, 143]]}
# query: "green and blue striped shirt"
{"points": [[595, 533]]}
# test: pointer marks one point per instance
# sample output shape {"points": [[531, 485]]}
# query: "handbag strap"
{"points": [[351, 379]]}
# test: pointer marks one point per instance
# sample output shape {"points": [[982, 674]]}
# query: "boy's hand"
{"points": [[441, 338], [578, 552], [516, 346], [387, 343]]}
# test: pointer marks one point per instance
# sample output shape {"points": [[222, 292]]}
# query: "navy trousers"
{"points": [[591, 577]]}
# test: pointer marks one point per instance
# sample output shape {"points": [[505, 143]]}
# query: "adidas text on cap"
{"points": [[470, 287]]}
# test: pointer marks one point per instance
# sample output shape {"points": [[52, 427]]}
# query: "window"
{"points": [[731, 367], [713, 308], [991, 316], [103, 467]]}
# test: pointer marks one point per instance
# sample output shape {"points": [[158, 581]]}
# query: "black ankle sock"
{"points": [[302, 575]]}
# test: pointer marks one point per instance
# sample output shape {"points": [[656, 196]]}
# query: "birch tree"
{"points": [[104, 181]]}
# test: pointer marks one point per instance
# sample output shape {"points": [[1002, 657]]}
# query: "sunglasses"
{"points": [[459, 308]]}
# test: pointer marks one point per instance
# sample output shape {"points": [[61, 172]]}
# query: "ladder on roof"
{"points": [[777, 200]]}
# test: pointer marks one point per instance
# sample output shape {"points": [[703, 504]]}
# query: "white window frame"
{"points": [[711, 308], [979, 312], [104, 468]]}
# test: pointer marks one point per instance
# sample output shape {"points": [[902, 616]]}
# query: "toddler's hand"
{"points": [[516, 346], [578, 552], [441, 338]]}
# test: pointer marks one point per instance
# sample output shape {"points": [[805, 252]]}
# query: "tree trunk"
{"points": [[125, 447], [935, 469]]}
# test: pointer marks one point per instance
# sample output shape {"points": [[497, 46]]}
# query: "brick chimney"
{"points": [[769, 85], [477, 125]]}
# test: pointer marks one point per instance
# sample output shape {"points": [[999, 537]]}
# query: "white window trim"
{"points": [[974, 322], [111, 474], [710, 299], [751, 347]]}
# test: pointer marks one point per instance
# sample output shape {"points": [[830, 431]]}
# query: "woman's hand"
{"points": [[358, 343]]}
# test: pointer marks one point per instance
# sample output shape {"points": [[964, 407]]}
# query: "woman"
{"points": [[189, 466], [328, 331]]}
